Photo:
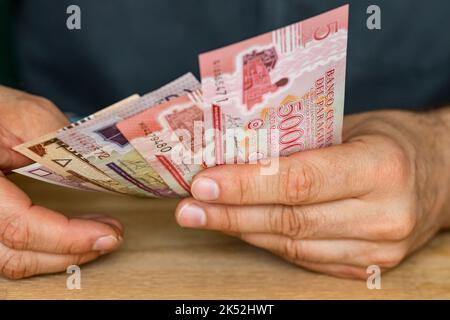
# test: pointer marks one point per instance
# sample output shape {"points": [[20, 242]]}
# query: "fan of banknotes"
{"points": [[268, 96]]}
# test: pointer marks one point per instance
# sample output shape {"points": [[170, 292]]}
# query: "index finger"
{"points": [[333, 173]]}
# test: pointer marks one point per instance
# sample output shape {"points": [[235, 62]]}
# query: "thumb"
{"points": [[24, 226]]}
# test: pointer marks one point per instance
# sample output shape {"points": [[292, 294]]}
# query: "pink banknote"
{"points": [[170, 137], [284, 89]]}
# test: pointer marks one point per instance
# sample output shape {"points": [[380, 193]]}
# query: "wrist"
{"points": [[441, 132]]}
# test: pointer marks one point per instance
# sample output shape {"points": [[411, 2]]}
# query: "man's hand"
{"points": [[374, 199], [33, 239]]}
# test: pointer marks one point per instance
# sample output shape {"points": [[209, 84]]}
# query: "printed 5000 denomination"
{"points": [[289, 83]]}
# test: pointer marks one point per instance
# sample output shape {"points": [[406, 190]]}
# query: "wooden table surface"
{"points": [[160, 260]]}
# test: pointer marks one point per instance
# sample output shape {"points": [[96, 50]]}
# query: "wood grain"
{"points": [[160, 260]]}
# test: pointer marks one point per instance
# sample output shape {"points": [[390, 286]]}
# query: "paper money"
{"points": [[272, 95], [39, 172], [62, 159], [166, 137], [100, 143], [288, 83], [104, 111], [97, 140]]}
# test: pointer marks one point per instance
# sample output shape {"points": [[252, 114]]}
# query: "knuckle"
{"points": [[401, 227], [14, 232], [406, 225], [30, 103], [292, 250], [293, 224], [230, 220], [395, 225], [13, 266], [70, 248], [41, 102], [246, 189], [273, 220], [38, 107], [300, 182], [62, 245], [388, 258], [396, 165]]}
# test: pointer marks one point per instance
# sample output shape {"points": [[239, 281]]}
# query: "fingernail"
{"points": [[105, 244], [205, 189], [192, 216]]}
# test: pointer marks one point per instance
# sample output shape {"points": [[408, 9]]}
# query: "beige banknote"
{"points": [[103, 111], [60, 158], [42, 173], [100, 143]]}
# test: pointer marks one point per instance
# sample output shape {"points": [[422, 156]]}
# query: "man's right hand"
{"points": [[33, 239]]}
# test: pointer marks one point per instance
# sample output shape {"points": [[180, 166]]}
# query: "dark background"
{"points": [[127, 47]]}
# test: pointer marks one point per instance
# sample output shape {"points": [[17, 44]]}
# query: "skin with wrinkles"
{"points": [[374, 199], [33, 239]]}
